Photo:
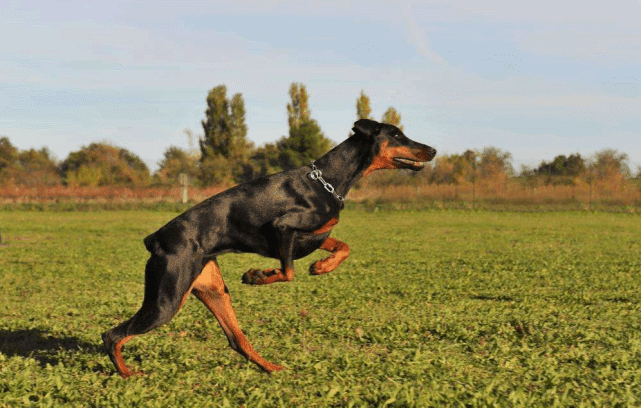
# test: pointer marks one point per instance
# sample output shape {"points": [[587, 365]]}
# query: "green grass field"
{"points": [[433, 308]]}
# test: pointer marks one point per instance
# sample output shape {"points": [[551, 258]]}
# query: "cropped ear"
{"points": [[367, 126]]}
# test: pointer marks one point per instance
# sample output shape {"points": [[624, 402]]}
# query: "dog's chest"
{"points": [[307, 243]]}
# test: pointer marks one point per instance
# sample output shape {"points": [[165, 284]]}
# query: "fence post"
{"points": [[184, 182], [474, 183]]}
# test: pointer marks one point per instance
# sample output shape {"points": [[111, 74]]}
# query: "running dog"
{"points": [[285, 216]]}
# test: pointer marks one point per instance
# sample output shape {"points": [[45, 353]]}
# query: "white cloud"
{"points": [[417, 36]]}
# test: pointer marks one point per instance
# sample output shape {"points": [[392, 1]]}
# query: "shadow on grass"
{"points": [[41, 346], [495, 298]]}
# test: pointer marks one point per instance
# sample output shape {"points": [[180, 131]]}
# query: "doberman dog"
{"points": [[286, 216]]}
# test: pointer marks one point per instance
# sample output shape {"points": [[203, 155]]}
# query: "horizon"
{"points": [[536, 80]]}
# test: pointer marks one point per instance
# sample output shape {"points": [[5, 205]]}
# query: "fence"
{"points": [[508, 194]]}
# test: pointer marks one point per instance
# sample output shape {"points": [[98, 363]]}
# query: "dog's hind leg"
{"points": [[339, 252], [210, 289], [165, 293]]}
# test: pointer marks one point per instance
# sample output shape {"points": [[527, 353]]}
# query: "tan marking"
{"points": [[122, 368], [327, 227], [385, 157], [210, 289], [208, 275], [274, 275], [339, 252]]}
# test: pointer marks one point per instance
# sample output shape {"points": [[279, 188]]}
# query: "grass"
{"points": [[433, 308]]}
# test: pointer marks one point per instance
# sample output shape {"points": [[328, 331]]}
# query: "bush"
{"points": [[101, 164]]}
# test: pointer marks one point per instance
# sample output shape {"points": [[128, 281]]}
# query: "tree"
{"points": [[304, 144], [363, 109], [192, 150], [609, 163], [454, 169], [306, 141], [37, 168], [175, 162], [8, 160], [562, 170], [495, 162], [240, 147], [572, 165], [28, 167], [609, 168], [101, 164], [298, 109], [392, 117], [225, 149], [264, 161]]}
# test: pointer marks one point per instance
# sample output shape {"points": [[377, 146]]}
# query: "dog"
{"points": [[286, 216]]}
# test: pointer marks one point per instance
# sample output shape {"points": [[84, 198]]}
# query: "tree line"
{"points": [[225, 155], [492, 163]]}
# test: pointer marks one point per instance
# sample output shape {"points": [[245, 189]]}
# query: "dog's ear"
{"points": [[366, 126]]}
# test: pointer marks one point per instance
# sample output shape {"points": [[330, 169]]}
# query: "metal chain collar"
{"points": [[316, 174]]}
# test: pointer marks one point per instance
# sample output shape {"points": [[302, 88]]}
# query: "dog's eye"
{"points": [[398, 136]]}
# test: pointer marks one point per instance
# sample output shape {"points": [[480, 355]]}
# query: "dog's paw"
{"points": [[271, 367], [316, 268], [260, 277], [323, 266], [128, 373]]}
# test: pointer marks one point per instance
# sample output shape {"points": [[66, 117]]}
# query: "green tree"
{"points": [[304, 144], [562, 170], [102, 164], [298, 109], [392, 117], [363, 109], [264, 161], [306, 141], [225, 150]]}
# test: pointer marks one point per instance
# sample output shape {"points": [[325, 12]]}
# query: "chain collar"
{"points": [[316, 174]]}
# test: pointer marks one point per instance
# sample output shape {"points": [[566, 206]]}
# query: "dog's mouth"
{"points": [[409, 163]]}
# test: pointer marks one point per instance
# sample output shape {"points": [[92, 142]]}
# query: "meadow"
{"points": [[433, 308]]}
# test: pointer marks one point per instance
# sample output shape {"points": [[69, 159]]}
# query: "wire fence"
{"points": [[505, 194]]}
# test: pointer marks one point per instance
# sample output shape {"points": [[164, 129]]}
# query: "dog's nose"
{"points": [[431, 152]]}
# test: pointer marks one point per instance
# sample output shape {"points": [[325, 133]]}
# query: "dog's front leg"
{"points": [[285, 234], [339, 251]]}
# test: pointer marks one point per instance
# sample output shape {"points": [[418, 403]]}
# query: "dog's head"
{"points": [[392, 149]]}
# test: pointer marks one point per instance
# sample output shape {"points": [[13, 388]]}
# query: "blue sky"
{"points": [[537, 79]]}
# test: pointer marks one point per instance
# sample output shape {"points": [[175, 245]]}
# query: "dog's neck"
{"points": [[345, 164]]}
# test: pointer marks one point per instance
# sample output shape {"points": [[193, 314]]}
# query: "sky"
{"points": [[537, 79]]}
